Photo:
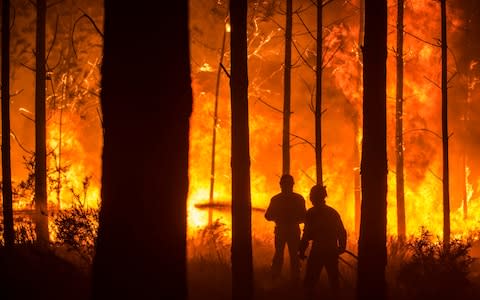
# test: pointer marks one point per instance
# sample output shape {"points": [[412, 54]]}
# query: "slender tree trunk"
{"points": [[242, 261], [287, 90], [41, 206], [446, 180], [372, 252], [146, 101], [214, 129], [401, 226], [356, 150], [8, 232], [318, 95]]}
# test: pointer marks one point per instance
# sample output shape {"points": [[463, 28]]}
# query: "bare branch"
{"points": [[54, 38], [303, 139], [435, 175], [85, 15], [432, 82], [225, 70], [306, 27], [12, 134], [100, 117], [302, 57], [60, 57], [28, 67], [16, 93], [269, 105], [423, 129], [331, 57], [28, 117], [308, 176], [13, 18], [55, 3], [419, 38], [453, 76]]}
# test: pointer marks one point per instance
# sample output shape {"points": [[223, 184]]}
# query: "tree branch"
{"points": [[85, 15], [12, 134], [303, 139], [269, 105], [54, 38]]}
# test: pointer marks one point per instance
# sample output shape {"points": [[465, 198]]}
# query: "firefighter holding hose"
{"points": [[324, 227]]}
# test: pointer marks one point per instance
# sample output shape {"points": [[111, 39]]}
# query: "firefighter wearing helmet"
{"points": [[324, 227]]}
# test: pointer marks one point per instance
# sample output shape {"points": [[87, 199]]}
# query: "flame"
{"points": [[342, 118]]}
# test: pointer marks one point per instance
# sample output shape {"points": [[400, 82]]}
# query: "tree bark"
{"points": [[446, 180], [318, 95], [372, 252], [287, 91], [41, 201], [8, 231], [401, 225], [214, 128], [242, 261], [356, 150], [146, 101]]}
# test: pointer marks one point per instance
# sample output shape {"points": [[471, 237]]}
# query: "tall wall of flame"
{"points": [[343, 102]]}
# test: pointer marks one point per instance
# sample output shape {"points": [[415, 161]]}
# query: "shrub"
{"points": [[435, 270], [76, 228]]}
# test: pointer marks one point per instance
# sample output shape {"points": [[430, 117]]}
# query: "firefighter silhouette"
{"points": [[287, 210], [324, 227]]}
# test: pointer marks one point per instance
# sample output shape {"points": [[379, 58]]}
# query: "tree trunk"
{"points": [[445, 181], [41, 202], [356, 150], [214, 129], [146, 101], [372, 252], [8, 231], [242, 261], [318, 95], [287, 90], [401, 230]]}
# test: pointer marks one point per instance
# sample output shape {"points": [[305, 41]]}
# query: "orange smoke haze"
{"points": [[342, 94]]}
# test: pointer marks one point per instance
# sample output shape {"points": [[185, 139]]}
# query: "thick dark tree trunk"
{"points": [[146, 101], [8, 232], [356, 148], [318, 95], [287, 91], [242, 261], [372, 252], [41, 203], [401, 226], [446, 180]]}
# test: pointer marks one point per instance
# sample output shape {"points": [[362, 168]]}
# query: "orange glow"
{"points": [[342, 119]]}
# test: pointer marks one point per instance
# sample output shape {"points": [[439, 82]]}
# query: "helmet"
{"points": [[286, 179], [318, 192]]}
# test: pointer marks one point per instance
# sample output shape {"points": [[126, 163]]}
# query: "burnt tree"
{"points": [[372, 251], [242, 260], [8, 231], [287, 90], [445, 179], [214, 127], [41, 206], [401, 225], [318, 95], [146, 101], [356, 126]]}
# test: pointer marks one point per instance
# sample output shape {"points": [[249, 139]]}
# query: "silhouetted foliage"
{"points": [[435, 270], [76, 228]]}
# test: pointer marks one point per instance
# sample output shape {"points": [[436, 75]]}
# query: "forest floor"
{"points": [[27, 273]]}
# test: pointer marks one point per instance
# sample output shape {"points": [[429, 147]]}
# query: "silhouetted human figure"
{"points": [[287, 210], [324, 227]]}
